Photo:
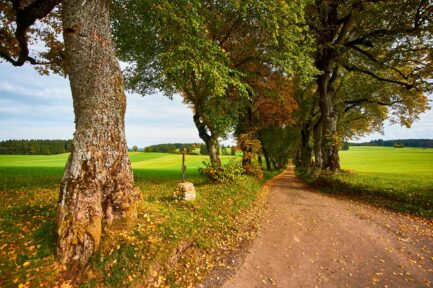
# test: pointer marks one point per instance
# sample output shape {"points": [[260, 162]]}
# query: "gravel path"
{"points": [[308, 239]]}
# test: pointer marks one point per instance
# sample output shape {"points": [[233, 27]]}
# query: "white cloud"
{"points": [[34, 106], [423, 128]]}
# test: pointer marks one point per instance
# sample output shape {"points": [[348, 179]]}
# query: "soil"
{"points": [[308, 239]]}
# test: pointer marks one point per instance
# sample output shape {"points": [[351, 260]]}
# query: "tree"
{"points": [[135, 148], [97, 184], [271, 106], [363, 108], [17, 30], [388, 41], [227, 35], [203, 150], [345, 146], [279, 144]]}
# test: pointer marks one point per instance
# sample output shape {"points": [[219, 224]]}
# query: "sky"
{"points": [[40, 107]]}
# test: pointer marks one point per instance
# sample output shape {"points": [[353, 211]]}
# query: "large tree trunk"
{"points": [[98, 181], [317, 134], [250, 146], [330, 39], [274, 163], [211, 141], [304, 160], [259, 159], [213, 151], [329, 124], [267, 160]]}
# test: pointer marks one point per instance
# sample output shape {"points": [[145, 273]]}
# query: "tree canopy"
{"points": [[207, 51], [375, 60]]}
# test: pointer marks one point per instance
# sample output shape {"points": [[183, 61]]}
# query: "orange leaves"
{"points": [[274, 100]]}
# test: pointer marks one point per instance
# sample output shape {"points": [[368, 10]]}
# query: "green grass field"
{"points": [[388, 160], [398, 178], [29, 188], [139, 160]]}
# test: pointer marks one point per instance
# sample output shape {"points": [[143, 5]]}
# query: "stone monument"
{"points": [[185, 191]]}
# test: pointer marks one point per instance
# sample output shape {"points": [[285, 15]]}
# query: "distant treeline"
{"points": [[423, 143], [190, 148], [172, 147], [35, 147]]}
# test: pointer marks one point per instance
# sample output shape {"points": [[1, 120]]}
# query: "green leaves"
{"points": [[201, 49]]}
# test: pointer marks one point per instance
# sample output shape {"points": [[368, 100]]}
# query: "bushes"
{"points": [[229, 172], [345, 146], [203, 150], [253, 169]]}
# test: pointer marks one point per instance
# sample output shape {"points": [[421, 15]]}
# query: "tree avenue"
{"points": [[285, 78], [97, 186], [386, 42], [210, 52]]}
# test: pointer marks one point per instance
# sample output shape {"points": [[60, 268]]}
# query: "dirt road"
{"points": [[308, 239]]}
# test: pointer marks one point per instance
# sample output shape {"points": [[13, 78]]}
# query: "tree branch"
{"points": [[351, 104], [352, 68], [375, 60], [26, 17]]}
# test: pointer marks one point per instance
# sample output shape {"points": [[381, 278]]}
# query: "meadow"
{"points": [[172, 243], [397, 178], [169, 243]]}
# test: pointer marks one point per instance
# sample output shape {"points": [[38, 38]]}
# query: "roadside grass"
{"points": [[398, 179], [169, 243]]}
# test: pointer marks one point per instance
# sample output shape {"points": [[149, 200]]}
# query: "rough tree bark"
{"points": [[211, 141], [250, 146], [334, 32], [213, 151], [98, 183], [267, 160], [317, 134], [329, 145], [259, 159], [305, 151]]}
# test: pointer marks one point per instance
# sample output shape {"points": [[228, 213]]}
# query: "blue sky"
{"points": [[40, 107]]}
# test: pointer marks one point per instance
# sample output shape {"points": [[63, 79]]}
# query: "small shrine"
{"points": [[185, 191]]}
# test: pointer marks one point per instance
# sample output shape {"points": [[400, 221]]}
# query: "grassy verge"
{"points": [[169, 244], [398, 192], [398, 179]]}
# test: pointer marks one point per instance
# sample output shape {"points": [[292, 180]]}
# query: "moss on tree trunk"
{"points": [[97, 185]]}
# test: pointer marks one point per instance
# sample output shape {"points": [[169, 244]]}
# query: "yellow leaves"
{"points": [[25, 285], [159, 280], [153, 240], [27, 263]]}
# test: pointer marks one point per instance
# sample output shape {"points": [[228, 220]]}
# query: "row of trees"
{"points": [[35, 147], [424, 143], [189, 149], [234, 62], [282, 76], [375, 62], [173, 147], [345, 68]]}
